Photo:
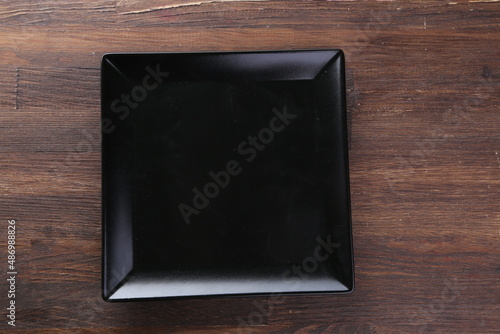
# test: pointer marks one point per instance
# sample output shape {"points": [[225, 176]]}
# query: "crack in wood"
{"points": [[195, 3]]}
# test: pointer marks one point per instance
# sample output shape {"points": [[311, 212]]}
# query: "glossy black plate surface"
{"points": [[224, 174]]}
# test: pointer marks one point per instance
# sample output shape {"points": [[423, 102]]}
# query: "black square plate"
{"points": [[224, 174]]}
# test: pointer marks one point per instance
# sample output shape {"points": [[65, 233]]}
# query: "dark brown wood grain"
{"points": [[423, 101]]}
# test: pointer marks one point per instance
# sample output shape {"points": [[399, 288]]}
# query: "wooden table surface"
{"points": [[423, 101]]}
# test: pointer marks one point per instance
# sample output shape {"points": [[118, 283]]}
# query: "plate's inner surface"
{"points": [[223, 179]]}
